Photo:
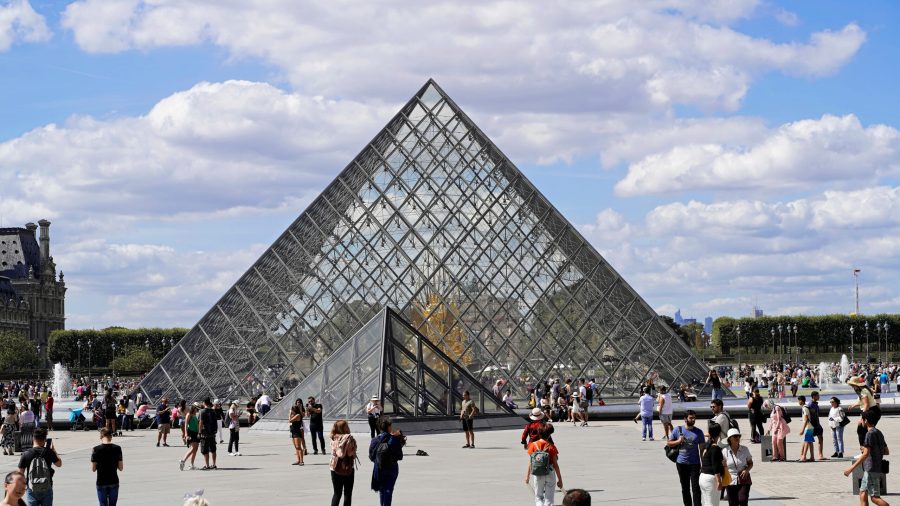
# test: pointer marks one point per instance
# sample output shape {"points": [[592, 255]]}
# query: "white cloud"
{"points": [[829, 149], [214, 150], [20, 23], [612, 55]]}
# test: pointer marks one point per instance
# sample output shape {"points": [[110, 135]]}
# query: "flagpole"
{"points": [[856, 276]]}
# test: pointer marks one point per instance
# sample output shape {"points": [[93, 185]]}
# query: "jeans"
{"points": [[317, 431], [373, 420], [544, 488], [717, 393], [387, 478], [234, 439], [342, 485], [39, 499], [837, 437], [263, 409], [709, 493], [689, 476], [647, 428], [108, 495], [129, 423]]}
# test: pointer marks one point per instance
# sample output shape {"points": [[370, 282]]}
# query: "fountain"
{"points": [[824, 376], [845, 368], [62, 382]]}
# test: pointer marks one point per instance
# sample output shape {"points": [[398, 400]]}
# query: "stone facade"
{"points": [[32, 297]]}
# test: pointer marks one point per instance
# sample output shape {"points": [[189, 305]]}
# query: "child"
{"points": [[806, 431], [542, 464], [873, 451]]}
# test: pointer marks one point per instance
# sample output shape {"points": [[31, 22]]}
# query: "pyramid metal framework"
{"points": [[431, 218], [390, 359]]}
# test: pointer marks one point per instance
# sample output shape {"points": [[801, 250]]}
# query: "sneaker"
{"points": [[237, 454], [834, 455], [841, 455], [315, 453], [181, 465], [205, 468], [157, 445], [191, 467], [651, 439], [643, 439]]}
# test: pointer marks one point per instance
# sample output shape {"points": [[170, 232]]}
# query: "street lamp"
{"points": [[886, 341], [79, 353], [738, 330], [866, 325], [113, 359], [147, 343], [851, 344], [90, 358], [780, 345], [878, 337], [773, 345], [40, 362], [796, 345]]}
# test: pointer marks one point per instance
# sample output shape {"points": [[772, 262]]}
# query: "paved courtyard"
{"points": [[608, 459]]}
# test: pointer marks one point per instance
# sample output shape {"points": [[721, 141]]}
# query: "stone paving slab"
{"points": [[607, 458]]}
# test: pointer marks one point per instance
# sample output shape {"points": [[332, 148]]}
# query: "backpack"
{"points": [[39, 474], [380, 452], [540, 459], [344, 464], [589, 392]]}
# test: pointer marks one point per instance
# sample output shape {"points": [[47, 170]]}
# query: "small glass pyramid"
{"points": [[390, 359]]}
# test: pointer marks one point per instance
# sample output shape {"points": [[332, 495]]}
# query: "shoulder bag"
{"points": [[673, 451]]}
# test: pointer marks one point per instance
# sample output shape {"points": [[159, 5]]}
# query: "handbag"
{"points": [[673, 451], [885, 467], [726, 478], [845, 421]]}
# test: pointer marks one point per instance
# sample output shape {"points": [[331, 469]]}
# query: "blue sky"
{"points": [[717, 154]]}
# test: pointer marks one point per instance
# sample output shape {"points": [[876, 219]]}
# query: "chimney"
{"points": [[31, 226], [45, 240]]}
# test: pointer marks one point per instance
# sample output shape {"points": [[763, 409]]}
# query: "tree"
{"points": [[682, 333], [16, 353], [135, 359]]}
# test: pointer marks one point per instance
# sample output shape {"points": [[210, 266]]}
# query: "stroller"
{"points": [[77, 419]]}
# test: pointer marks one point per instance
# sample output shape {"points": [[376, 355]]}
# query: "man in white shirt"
{"points": [[665, 410], [263, 404]]}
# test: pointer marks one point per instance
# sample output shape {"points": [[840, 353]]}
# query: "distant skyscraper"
{"points": [[707, 324], [678, 319], [757, 312], [688, 321]]}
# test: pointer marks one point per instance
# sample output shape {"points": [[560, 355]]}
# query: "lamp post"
{"points": [[878, 338], [90, 358], [147, 344], [866, 325], [40, 362], [851, 344], [773, 345], [79, 353], [111, 361], [738, 330], [796, 345], [780, 345], [886, 342]]}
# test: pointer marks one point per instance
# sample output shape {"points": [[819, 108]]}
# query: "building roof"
{"points": [[7, 291], [19, 250]]}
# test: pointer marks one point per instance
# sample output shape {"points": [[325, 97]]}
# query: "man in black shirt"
{"points": [[818, 432], [39, 475], [316, 426], [208, 427], [106, 460]]}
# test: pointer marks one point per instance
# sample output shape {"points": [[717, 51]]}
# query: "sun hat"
{"points": [[536, 414], [732, 433], [856, 381], [374, 398], [575, 394]]}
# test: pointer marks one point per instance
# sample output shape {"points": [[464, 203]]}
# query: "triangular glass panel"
{"points": [[433, 219]]}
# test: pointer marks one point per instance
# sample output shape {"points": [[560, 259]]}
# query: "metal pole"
{"points": [[738, 330], [852, 359], [856, 277], [867, 341]]}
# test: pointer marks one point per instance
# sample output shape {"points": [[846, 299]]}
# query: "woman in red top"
{"points": [[542, 464]]}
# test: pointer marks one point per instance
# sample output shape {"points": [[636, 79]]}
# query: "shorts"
{"points": [[193, 437], [871, 483], [164, 428], [665, 419], [208, 444], [468, 424], [808, 436], [297, 433], [818, 431]]}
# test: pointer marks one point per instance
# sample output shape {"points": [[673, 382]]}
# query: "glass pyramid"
{"points": [[390, 359], [430, 218]]}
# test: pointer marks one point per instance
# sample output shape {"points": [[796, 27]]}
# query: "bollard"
{"points": [[856, 478], [766, 448]]}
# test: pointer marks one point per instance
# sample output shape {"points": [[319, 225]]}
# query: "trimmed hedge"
{"points": [[817, 334], [63, 345]]}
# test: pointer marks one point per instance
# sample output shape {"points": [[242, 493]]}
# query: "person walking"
{"points": [[48, 410], [778, 428], [467, 414], [818, 431], [316, 424], [755, 415], [106, 461], [10, 421], [220, 415], [234, 430], [535, 426], [343, 460], [373, 411], [873, 451], [37, 464], [192, 436], [129, 413], [208, 423], [688, 439], [836, 420], [645, 414], [712, 469], [806, 431], [865, 401], [385, 451], [666, 408], [543, 467], [739, 462], [295, 418]]}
